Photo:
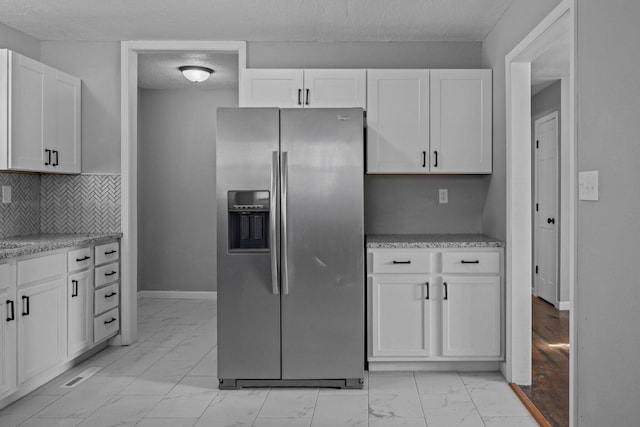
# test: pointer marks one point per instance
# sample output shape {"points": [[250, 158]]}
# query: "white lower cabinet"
{"points": [[41, 328], [402, 317], [7, 330], [471, 316], [452, 312], [80, 312]]}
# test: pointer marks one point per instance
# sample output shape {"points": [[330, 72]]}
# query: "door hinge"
{"points": [[537, 144], [537, 207], [536, 269]]}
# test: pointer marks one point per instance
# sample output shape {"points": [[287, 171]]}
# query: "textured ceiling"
{"points": [[160, 70], [254, 20]]}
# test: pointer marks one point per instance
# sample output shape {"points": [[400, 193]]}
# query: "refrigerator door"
{"points": [[322, 231], [247, 147]]}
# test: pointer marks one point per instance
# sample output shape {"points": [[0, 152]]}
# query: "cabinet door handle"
{"points": [[111, 273], [470, 262], [111, 252], [402, 262], [25, 305], [113, 319], [446, 291], [55, 162], [306, 101], [427, 284], [48, 161], [299, 96], [424, 159], [74, 290], [112, 294], [435, 155], [83, 258], [11, 315]]}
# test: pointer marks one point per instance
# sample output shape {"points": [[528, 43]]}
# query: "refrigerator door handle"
{"points": [[283, 194], [273, 221]]}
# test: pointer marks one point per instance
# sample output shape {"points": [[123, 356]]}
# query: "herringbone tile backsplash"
{"points": [[60, 204], [22, 215], [80, 204]]}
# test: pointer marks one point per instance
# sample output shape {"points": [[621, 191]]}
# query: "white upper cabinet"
{"points": [[429, 121], [39, 116], [397, 121], [297, 88], [461, 121]]}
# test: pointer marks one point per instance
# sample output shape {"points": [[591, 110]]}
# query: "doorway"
{"points": [[551, 42], [129, 161]]}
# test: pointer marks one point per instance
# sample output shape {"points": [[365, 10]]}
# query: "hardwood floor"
{"points": [[549, 390]]}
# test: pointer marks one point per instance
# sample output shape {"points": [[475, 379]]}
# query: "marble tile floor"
{"points": [[168, 378]]}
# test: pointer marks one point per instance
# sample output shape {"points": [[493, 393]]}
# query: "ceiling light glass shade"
{"points": [[196, 73]]}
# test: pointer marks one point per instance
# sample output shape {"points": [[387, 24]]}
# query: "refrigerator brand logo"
{"points": [[343, 118]]}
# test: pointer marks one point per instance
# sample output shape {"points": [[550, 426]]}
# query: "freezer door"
{"points": [[322, 230], [247, 146]]}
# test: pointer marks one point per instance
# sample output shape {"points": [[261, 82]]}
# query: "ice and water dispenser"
{"points": [[248, 220]]}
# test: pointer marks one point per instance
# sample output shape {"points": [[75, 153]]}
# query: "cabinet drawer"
{"points": [[107, 253], [401, 262], [7, 277], [107, 298], [78, 259], [106, 325], [36, 269], [107, 274], [471, 262]]}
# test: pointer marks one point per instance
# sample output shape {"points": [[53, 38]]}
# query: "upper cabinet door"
{"points": [[461, 121], [65, 137], [26, 110], [335, 88], [271, 88], [397, 121]]}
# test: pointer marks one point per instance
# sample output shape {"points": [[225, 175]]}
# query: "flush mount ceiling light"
{"points": [[195, 73]]}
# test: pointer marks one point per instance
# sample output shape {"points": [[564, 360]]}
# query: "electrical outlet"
{"points": [[6, 194], [443, 194]]}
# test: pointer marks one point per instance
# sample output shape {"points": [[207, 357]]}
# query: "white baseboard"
{"points": [[178, 295], [564, 305], [435, 366]]}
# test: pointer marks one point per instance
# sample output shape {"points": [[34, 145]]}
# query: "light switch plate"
{"points": [[443, 194], [6, 194], [588, 185]]}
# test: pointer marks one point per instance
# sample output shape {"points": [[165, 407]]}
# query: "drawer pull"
{"points": [[83, 258], [446, 292], [471, 262], [111, 273], [74, 289], [427, 297], [112, 294], [113, 251], [12, 315], [113, 319], [25, 305], [402, 262]]}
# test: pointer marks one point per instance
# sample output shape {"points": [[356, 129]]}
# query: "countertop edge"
{"points": [[428, 241], [56, 241]]}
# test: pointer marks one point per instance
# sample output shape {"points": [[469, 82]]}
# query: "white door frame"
{"points": [[129, 162], [536, 261], [517, 366]]}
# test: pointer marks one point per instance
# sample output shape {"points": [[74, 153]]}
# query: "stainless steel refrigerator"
{"points": [[290, 247]]}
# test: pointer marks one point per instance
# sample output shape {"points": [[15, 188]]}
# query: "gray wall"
{"points": [[519, 19], [608, 294], [19, 41], [98, 65], [177, 224]]}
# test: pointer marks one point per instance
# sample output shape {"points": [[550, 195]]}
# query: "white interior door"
{"points": [[545, 208]]}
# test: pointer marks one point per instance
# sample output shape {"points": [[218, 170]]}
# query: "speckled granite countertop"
{"points": [[11, 247], [375, 241]]}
